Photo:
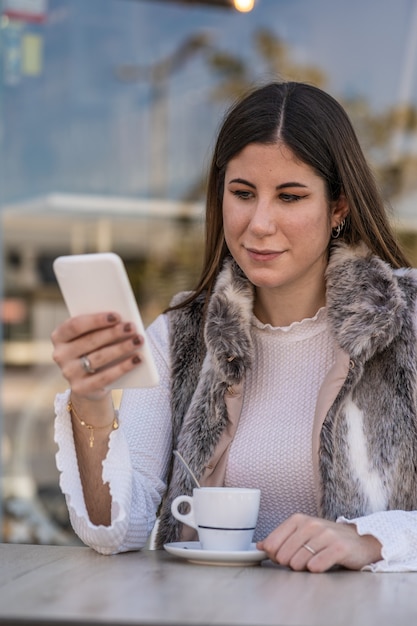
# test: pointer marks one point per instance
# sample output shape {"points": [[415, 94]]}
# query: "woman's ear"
{"points": [[340, 210]]}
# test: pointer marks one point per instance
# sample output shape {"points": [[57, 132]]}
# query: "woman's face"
{"points": [[277, 219]]}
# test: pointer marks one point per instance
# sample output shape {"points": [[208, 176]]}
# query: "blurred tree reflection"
{"points": [[236, 75]]}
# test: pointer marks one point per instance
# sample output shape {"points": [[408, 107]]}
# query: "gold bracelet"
{"points": [[114, 424]]}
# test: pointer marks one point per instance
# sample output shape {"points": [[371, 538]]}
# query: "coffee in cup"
{"points": [[224, 517]]}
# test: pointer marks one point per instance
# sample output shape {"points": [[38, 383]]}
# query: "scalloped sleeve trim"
{"points": [[116, 471]]}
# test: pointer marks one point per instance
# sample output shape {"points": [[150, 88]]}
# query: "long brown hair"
{"points": [[318, 131]]}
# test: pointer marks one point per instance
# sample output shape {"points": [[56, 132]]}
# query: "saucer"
{"points": [[191, 551]]}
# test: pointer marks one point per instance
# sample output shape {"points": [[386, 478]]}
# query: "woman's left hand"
{"points": [[303, 542]]}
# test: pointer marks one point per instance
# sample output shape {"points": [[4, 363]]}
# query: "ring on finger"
{"points": [[86, 365], [309, 548]]}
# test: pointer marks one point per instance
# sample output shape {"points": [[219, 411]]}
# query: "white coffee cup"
{"points": [[224, 517]]}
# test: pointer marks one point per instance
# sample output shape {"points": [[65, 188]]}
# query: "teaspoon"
{"points": [[187, 467]]}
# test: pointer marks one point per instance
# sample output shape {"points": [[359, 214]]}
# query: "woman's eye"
{"points": [[290, 197], [243, 194]]}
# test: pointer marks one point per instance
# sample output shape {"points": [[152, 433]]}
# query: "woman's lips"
{"points": [[263, 255]]}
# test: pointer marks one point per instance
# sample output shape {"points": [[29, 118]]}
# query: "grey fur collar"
{"points": [[365, 302]]}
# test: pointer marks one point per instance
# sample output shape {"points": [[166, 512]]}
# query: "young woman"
{"points": [[291, 367]]}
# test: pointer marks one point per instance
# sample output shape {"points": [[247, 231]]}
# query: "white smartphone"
{"points": [[98, 282]]}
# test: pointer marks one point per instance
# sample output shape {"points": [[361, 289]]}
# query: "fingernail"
{"points": [[111, 317], [136, 359], [127, 327], [137, 340]]}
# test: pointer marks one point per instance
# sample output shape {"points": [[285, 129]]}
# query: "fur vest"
{"points": [[367, 447]]}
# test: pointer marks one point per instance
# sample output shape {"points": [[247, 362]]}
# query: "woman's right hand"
{"points": [[110, 344]]}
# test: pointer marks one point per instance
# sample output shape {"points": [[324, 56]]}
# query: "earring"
{"points": [[338, 229]]}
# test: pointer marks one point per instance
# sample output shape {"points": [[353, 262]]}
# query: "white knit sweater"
{"points": [[271, 449]]}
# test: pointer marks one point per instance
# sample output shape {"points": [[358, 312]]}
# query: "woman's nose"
{"points": [[263, 220]]}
